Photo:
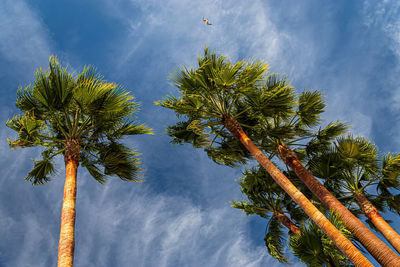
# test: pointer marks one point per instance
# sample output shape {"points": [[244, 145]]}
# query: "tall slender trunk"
{"points": [[348, 249], [67, 232], [373, 215], [287, 222], [66, 243], [379, 250]]}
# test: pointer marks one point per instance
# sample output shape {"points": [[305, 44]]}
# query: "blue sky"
{"points": [[180, 216]]}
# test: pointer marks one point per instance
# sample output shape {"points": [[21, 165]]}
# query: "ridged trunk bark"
{"points": [[348, 249], [373, 215], [66, 243], [287, 222], [379, 250]]}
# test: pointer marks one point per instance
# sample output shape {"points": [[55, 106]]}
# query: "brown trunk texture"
{"points": [[287, 222], [67, 232], [373, 215], [348, 249], [379, 250]]}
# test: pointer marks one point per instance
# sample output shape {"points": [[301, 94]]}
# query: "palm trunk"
{"points": [[379, 250], [287, 222], [373, 215], [67, 232], [348, 249]]}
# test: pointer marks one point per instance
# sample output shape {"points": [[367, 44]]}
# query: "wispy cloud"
{"points": [[158, 230], [23, 36]]}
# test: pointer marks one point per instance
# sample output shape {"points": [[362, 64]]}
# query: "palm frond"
{"points": [[53, 89], [128, 128], [251, 209], [274, 240], [314, 248], [93, 168], [184, 132], [310, 107], [230, 152], [390, 171], [42, 169], [120, 160], [324, 137], [28, 129], [358, 149]]}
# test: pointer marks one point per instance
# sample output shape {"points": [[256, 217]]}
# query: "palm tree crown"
{"points": [[79, 117], [219, 90]]}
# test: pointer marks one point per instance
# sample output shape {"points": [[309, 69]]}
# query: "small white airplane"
{"points": [[206, 21]]}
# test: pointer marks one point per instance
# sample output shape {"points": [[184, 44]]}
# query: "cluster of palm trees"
{"points": [[236, 112]]}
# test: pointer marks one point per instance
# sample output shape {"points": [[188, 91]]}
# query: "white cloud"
{"points": [[143, 229], [181, 33], [384, 14], [23, 36]]}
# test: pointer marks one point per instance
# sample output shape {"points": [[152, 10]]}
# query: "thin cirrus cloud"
{"points": [[114, 226], [180, 216], [23, 37], [160, 230], [180, 33]]}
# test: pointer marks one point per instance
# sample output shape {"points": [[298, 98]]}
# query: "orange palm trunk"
{"points": [[67, 232], [373, 215], [348, 249], [287, 222], [379, 250]]}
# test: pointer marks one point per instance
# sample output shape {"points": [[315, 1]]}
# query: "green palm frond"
{"points": [[274, 240], [359, 150], [26, 100], [53, 89], [128, 128], [314, 248], [60, 106], [393, 203], [275, 97], [326, 166], [311, 106], [93, 168], [28, 129], [183, 133], [120, 160], [229, 153], [42, 169], [391, 171], [324, 137], [250, 208]]}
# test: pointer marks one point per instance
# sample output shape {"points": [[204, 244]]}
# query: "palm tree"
{"points": [[267, 200], [81, 118], [213, 98], [351, 168], [276, 134], [314, 248], [308, 243]]}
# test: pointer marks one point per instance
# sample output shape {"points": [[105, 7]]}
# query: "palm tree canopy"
{"points": [[218, 89], [314, 248], [353, 165], [266, 199], [265, 105], [60, 109]]}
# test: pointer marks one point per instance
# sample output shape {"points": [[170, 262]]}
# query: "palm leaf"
{"points": [[42, 169], [310, 107], [120, 160], [274, 240]]}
